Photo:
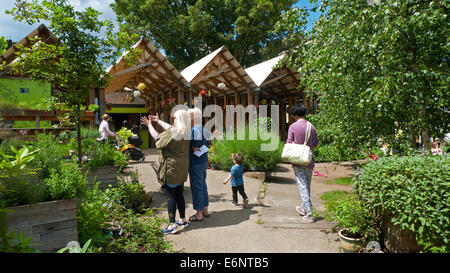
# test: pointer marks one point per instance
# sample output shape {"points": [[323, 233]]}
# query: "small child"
{"points": [[237, 182]]}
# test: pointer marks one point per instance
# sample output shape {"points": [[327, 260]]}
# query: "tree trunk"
{"points": [[412, 137], [426, 139], [78, 121]]}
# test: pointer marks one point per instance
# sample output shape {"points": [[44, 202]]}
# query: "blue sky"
{"points": [[16, 31]]}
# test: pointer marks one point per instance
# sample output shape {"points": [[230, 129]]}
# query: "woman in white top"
{"points": [[104, 129]]}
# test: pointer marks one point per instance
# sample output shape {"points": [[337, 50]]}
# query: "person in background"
{"points": [[303, 174], [127, 124], [105, 132], [436, 149], [173, 145], [237, 181]]}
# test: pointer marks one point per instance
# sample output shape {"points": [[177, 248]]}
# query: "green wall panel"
{"points": [[10, 90]]}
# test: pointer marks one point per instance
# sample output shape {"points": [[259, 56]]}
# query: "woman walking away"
{"points": [[296, 134], [173, 146], [198, 164]]}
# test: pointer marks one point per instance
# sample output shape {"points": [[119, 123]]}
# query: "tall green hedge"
{"points": [[254, 157], [415, 190]]}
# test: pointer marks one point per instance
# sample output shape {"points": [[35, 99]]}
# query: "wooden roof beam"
{"points": [[153, 54]]}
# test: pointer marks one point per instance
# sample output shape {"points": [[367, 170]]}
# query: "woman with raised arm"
{"points": [[173, 145]]}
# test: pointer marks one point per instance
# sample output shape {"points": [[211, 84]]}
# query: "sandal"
{"points": [[194, 218]]}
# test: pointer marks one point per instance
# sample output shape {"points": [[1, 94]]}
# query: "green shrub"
{"points": [[86, 133], [254, 158], [22, 190], [66, 183], [415, 191], [131, 194], [50, 156], [5, 145], [348, 212], [335, 144], [19, 184], [124, 134], [108, 219], [93, 213], [138, 235]]}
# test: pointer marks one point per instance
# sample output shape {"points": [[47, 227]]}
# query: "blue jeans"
{"points": [[304, 176], [197, 177]]}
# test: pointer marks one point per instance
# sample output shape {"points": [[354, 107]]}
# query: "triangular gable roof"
{"points": [[261, 71], [42, 32], [281, 82], [218, 67], [152, 68], [191, 71]]}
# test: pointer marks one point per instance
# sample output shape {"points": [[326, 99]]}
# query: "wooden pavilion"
{"points": [[162, 80], [224, 79], [279, 85], [217, 78]]}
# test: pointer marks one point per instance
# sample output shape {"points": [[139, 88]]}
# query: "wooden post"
{"points": [[283, 120], [249, 96], [236, 98], [156, 105], [180, 95], [38, 122], [191, 98], [163, 110], [290, 120]]}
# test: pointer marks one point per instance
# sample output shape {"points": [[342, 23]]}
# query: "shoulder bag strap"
{"points": [[308, 132]]}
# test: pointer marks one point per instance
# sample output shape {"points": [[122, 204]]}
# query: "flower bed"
{"points": [[39, 183]]}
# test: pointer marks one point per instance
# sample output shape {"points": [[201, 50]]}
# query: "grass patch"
{"points": [[331, 196], [341, 181]]}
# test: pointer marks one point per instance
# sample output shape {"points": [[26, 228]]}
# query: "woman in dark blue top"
{"points": [[197, 167]]}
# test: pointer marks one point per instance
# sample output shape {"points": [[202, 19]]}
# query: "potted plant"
{"points": [[108, 104], [93, 108], [353, 221], [172, 102]]}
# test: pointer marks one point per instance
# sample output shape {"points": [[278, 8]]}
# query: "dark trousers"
{"points": [[241, 191], [175, 200]]}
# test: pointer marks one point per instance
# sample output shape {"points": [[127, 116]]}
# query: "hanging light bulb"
{"points": [[222, 86]]}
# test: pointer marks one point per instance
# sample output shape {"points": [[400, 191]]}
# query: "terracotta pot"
{"points": [[349, 244]]}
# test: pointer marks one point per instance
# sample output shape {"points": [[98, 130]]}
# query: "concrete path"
{"points": [[269, 224]]}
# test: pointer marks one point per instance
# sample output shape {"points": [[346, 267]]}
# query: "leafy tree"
{"points": [[380, 67], [3, 44], [77, 63], [187, 30]]}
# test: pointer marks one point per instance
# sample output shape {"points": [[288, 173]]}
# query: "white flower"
{"points": [[373, 2], [73, 247]]}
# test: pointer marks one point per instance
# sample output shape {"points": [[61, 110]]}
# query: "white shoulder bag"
{"points": [[299, 154]]}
